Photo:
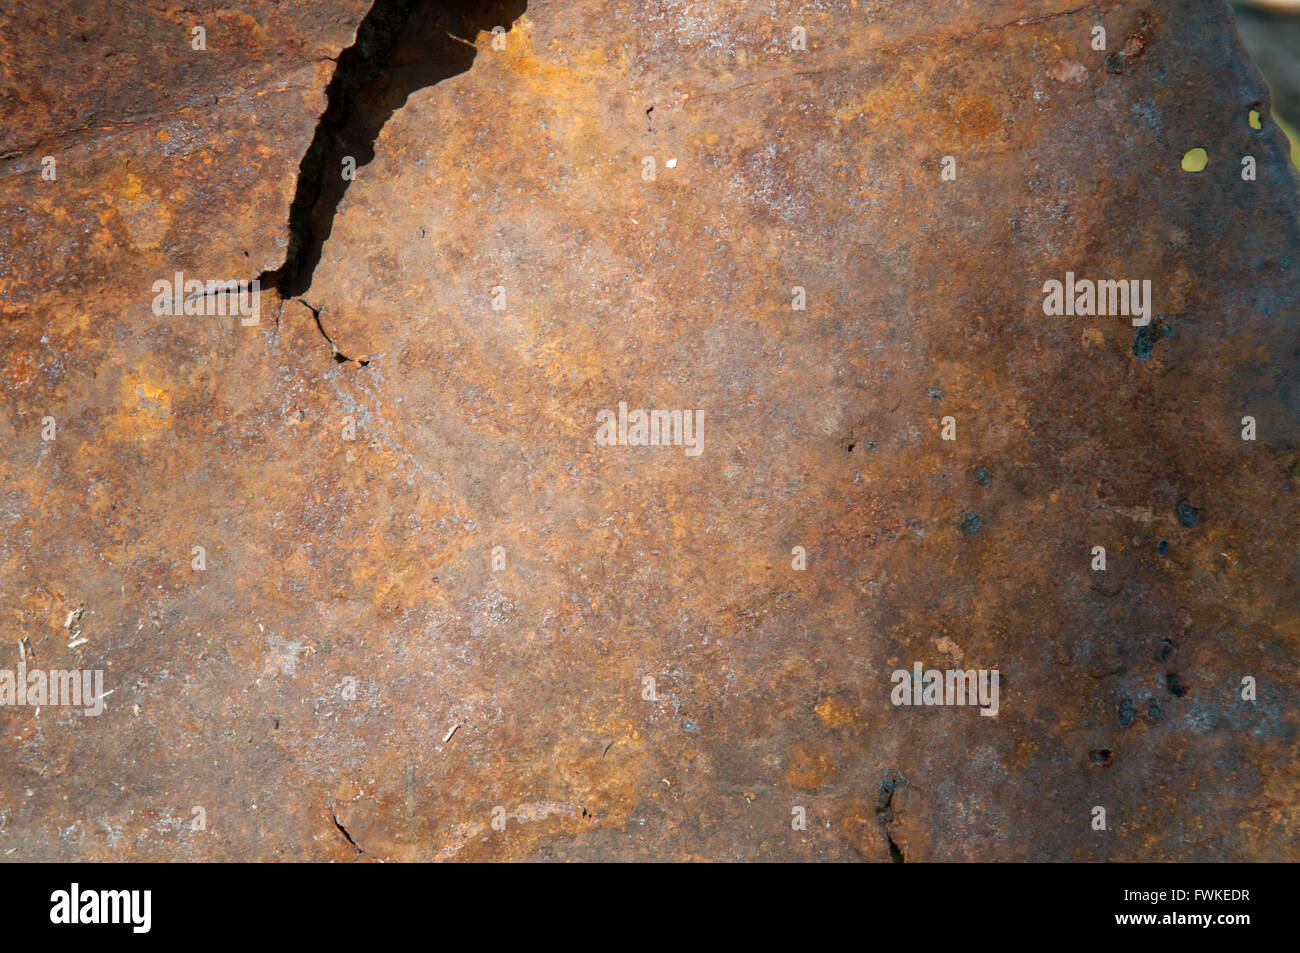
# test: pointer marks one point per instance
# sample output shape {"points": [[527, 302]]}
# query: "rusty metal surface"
{"points": [[519, 692]]}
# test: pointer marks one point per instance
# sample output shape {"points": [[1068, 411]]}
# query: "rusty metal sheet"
{"points": [[440, 616]]}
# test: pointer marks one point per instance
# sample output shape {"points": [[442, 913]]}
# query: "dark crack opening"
{"points": [[895, 855], [339, 356], [344, 831], [401, 46]]}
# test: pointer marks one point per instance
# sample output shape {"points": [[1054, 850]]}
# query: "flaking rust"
{"points": [[435, 617]]}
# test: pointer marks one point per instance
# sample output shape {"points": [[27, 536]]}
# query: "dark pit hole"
{"points": [[1145, 338], [1167, 650], [1102, 757], [1174, 685], [885, 798], [886, 794]]}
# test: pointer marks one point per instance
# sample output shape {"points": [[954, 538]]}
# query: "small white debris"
{"points": [[451, 731], [671, 163], [76, 642]]}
